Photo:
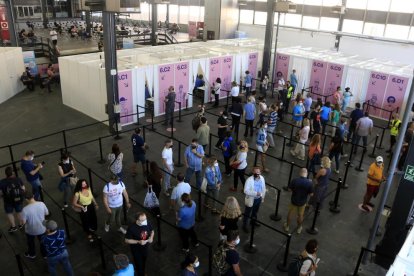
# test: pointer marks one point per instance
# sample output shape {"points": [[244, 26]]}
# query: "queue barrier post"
{"points": [[102, 254], [283, 149], [382, 138], [283, 266], [90, 179], [292, 164], [361, 255], [334, 204], [313, 230], [42, 198], [344, 185], [359, 168], [209, 144], [210, 260], [324, 142], [137, 123], [19, 264], [64, 140], [172, 128], [152, 118], [290, 144], [101, 160], [276, 216], [69, 239], [250, 247], [179, 164], [199, 216], [117, 119], [375, 146], [12, 160], [144, 134], [158, 246], [255, 158], [179, 112], [124, 209]]}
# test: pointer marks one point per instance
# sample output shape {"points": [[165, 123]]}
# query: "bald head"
{"points": [[303, 172]]}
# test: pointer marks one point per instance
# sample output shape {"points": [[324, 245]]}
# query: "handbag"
{"points": [[204, 185], [248, 201], [75, 208], [151, 200], [235, 164], [73, 180]]}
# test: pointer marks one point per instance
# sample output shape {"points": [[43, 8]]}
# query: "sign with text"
{"points": [[394, 95], [333, 79], [376, 91], [282, 66], [318, 76], [214, 73], [253, 59], [4, 25], [182, 71], [125, 97], [192, 29], [165, 80], [226, 75]]}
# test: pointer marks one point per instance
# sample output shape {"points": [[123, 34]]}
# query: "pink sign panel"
{"points": [[125, 97], [226, 75], [333, 78], [214, 73], [318, 76], [181, 82], [253, 57], [376, 91], [165, 80], [394, 95], [282, 66], [192, 29]]}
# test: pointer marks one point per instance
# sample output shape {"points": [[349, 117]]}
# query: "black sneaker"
{"points": [[12, 229], [26, 254], [21, 226]]}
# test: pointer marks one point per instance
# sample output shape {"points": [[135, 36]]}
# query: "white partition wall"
{"points": [[11, 69]]}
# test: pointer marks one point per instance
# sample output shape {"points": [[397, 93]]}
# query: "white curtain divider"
{"points": [[303, 71], [357, 79]]}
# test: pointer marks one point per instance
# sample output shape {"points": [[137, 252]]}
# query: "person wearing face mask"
{"points": [[262, 144], [299, 151], [181, 188], [255, 191], [375, 177], [167, 162], [186, 222], [139, 235], [85, 203], [66, 169], [222, 126], [226, 259], [31, 171], [213, 176], [190, 265], [298, 113], [239, 165], [193, 160]]}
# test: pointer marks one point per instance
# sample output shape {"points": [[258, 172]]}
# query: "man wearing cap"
{"points": [[55, 247], [123, 267], [375, 177]]}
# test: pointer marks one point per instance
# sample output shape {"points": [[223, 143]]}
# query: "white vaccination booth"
{"points": [[12, 67]]}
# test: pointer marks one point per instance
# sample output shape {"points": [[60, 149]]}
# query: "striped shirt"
{"points": [[272, 119], [54, 244]]}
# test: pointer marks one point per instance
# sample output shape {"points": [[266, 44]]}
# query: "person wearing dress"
{"points": [[346, 99], [230, 216], [322, 182]]}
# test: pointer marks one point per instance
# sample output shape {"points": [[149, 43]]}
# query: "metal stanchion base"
{"points": [[101, 161], [331, 203], [312, 231], [289, 145], [275, 217], [173, 130], [359, 169], [285, 188], [250, 249], [334, 209], [281, 267], [179, 165], [117, 137], [159, 247], [372, 155], [346, 186]]}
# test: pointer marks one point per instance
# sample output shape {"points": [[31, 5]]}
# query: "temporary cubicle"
{"points": [[11, 69]]}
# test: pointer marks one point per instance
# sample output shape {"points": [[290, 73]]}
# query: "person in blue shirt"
{"points": [[147, 92], [248, 80], [189, 265], [293, 80], [297, 113], [356, 114], [214, 179], [227, 145], [31, 171], [308, 104], [249, 114], [262, 144], [123, 267], [186, 222], [198, 90], [325, 115], [138, 151], [193, 159]]}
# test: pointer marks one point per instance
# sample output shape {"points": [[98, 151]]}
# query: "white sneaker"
{"points": [[336, 171], [122, 230], [106, 227], [299, 230], [286, 227]]}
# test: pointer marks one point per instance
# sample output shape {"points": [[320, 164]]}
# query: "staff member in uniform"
{"points": [[394, 129]]}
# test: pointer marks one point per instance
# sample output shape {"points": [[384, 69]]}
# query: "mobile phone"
{"points": [[317, 261]]}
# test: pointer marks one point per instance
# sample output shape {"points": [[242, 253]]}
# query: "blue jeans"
{"points": [[336, 155], [356, 141], [189, 173], [36, 184], [31, 245], [64, 260], [167, 177], [251, 211]]}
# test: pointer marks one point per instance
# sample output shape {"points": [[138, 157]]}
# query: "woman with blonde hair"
{"points": [[239, 164], [322, 181], [230, 216], [299, 151], [314, 153]]}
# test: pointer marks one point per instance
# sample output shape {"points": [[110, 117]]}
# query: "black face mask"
{"points": [[171, 146], [193, 146], [256, 175]]}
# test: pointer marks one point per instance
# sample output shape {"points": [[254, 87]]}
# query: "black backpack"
{"points": [[296, 265], [14, 192], [219, 259]]}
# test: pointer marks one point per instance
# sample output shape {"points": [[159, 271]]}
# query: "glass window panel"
{"points": [[356, 4], [246, 16], [378, 5], [330, 3], [353, 26], [21, 13], [374, 29], [162, 12], [310, 22], [173, 13], [397, 31], [293, 20], [194, 13], [411, 36], [329, 24], [282, 18], [313, 2], [406, 6], [201, 14], [260, 18], [183, 15], [297, 1]]}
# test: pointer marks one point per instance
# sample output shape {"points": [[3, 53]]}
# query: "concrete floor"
{"points": [[33, 114]]}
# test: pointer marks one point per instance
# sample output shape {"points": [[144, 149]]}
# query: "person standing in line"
{"points": [[335, 117], [230, 216], [31, 171], [13, 190], [307, 104], [84, 200], [299, 151], [214, 179], [55, 248], [298, 113], [356, 114], [315, 120], [337, 96], [281, 84], [294, 80], [33, 215], [234, 92], [190, 265], [231, 256], [139, 236], [290, 89], [193, 159], [363, 129], [168, 164], [199, 87], [255, 191], [394, 129], [239, 164], [310, 261], [66, 170], [374, 178], [322, 183], [115, 159], [272, 124], [265, 85], [203, 133], [248, 80], [186, 222], [53, 36], [335, 150], [301, 189], [325, 116], [314, 153], [222, 126], [114, 193], [346, 99], [123, 267], [169, 106], [139, 148], [262, 111], [228, 150], [216, 89], [262, 144], [236, 111], [181, 188], [249, 114]]}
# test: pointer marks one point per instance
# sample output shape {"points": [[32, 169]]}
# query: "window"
{"points": [[356, 4], [313, 2], [411, 36], [282, 18], [202, 14], [397, 31], [374, 29], [246, 16], [173, 13], [310, 22], [402, 6], [162, 12], [330, 3], [293, 20], [183, 18], [378, 5], [145, 11], [329, 24], [260, 18], [194, 14], [353, 26]]}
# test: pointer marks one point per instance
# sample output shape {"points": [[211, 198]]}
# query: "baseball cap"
{"points": [[50, 225], [379, 159]]}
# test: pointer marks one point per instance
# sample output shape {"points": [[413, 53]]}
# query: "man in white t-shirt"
{"points": [[167, 162], [114, 192], [33, 216], [53, 36], [181, 188]]}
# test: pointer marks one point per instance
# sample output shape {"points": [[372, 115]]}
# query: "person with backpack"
{"points": [[193, 160], [236, 111], [226, 260], [229, 149], [335, 150], [222, 126], [139, 148], [66, 170], [28, 80], [307, 262], [13, 190], [114, 192], [229, 218], [115, 161], [272, 123]]}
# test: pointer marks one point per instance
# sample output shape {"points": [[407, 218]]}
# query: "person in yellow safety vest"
{"points": [[289, 95], [394, 129]]}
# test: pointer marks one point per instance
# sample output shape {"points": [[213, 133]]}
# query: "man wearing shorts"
{"points": [[138, 150], [301, 188], [375, 177]]}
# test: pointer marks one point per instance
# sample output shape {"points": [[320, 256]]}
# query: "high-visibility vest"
{"points": [[395, 125], [289, 93]]}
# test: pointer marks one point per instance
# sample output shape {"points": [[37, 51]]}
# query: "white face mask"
{"points": [[216, 164], [265, 126], [31, 158], [143, 223], [236, 242], [196, 264], [66, 161]]}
